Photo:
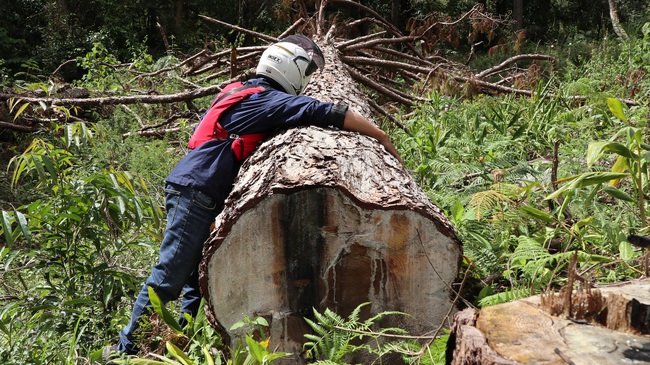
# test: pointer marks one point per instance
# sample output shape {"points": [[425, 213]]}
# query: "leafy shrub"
{"points": [[65, 253]]}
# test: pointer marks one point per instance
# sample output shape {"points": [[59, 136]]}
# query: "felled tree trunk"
{"points": [[605, 326], [327, 219]]}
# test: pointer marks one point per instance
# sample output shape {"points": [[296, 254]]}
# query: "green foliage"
{"points": [[202, 340], [76, 246], [62, 253], [488, 163], [334, 337]]}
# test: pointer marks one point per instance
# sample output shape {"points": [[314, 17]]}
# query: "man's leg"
{"points": [[189, 216], [191, 298]]}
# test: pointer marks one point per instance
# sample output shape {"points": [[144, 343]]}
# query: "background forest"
{"points": [[527, 180]]}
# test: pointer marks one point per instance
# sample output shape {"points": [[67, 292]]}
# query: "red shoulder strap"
{"points": [[209, 127]]}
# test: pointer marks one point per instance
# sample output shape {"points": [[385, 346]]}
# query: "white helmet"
{"points": [[291, 63]]}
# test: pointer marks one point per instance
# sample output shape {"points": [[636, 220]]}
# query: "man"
{"points": [[241, 116]]}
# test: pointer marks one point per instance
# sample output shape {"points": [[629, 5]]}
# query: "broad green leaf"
{"points": [[20, 110], [39, 167], [208, 356], [618, 194], [457, 211], [4, 329], [275, 355], [85, 302], [616, 107], [163, 312], [583, 180], [626, 250], [595, 149], [600, 177], [6, 228], [261, 321], [536, 213], [108, 291], [255, 349], [178, 354], [69, 135], [23, 225], [237, 325], [10, 257], [49, 165], [620, 150]]}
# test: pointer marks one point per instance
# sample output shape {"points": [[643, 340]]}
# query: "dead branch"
{"points": [[510, 61], [383, 89], [129, 99], [386, 114], [375, 42], [406, 56], [201, 67], [358, 40], [383, 21], [472, 11], [263, 36], [18, 127], [58, 69], [374, 15], [152, 132], [293, 27], [384, 63]]}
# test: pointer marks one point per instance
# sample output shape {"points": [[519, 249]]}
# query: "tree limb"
{"points": [[379, 88], [263, 36], [510, 61]]}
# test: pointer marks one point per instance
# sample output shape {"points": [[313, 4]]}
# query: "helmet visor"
{"points": [[312, 49]]}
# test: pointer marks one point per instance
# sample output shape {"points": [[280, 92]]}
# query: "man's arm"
{"points": [[357, 123]]}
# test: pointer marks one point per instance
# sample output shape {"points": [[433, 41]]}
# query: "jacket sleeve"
{"points": [[286, 110]]}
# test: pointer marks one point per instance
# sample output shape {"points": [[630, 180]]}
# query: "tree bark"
{"points": [[616, 23], [322, 218], [609, 325]]}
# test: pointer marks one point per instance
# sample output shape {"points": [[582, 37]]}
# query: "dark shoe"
{"points": [[110, 353]]}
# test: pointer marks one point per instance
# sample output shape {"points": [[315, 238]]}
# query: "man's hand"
{"points": [[357, 123]]}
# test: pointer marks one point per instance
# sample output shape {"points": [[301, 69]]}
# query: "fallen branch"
{"points": [[510, 61], [383, 89], [18, 127], [129, 99], [263, 36]]}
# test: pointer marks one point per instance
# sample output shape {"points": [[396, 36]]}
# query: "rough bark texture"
{"points": [[606, 326], [328, 219]]}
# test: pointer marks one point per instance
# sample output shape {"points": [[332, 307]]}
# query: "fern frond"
{"points": [[504, 297], [487, 200]]}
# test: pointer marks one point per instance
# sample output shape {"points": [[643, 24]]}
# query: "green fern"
{"points": [[332, 339], [504, 297]]}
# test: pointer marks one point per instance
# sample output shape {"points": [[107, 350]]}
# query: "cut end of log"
{"points": [[316, 249]]}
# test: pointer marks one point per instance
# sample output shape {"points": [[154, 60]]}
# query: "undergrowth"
{"points": [[526, 181]]}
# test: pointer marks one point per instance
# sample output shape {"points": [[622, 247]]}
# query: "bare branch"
{"points": [[375, 42], [510, 61], [18, 127], [383, 112], [263, 36], [383, 89], [384, 63], [358, 40]]}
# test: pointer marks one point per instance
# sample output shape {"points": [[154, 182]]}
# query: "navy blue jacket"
{"points": [[211, 168]]}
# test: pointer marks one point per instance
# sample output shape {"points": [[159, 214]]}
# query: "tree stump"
{"points": [[609, 325]]}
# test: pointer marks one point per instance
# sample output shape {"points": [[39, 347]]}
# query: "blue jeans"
{"points": [[190, 213]]}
